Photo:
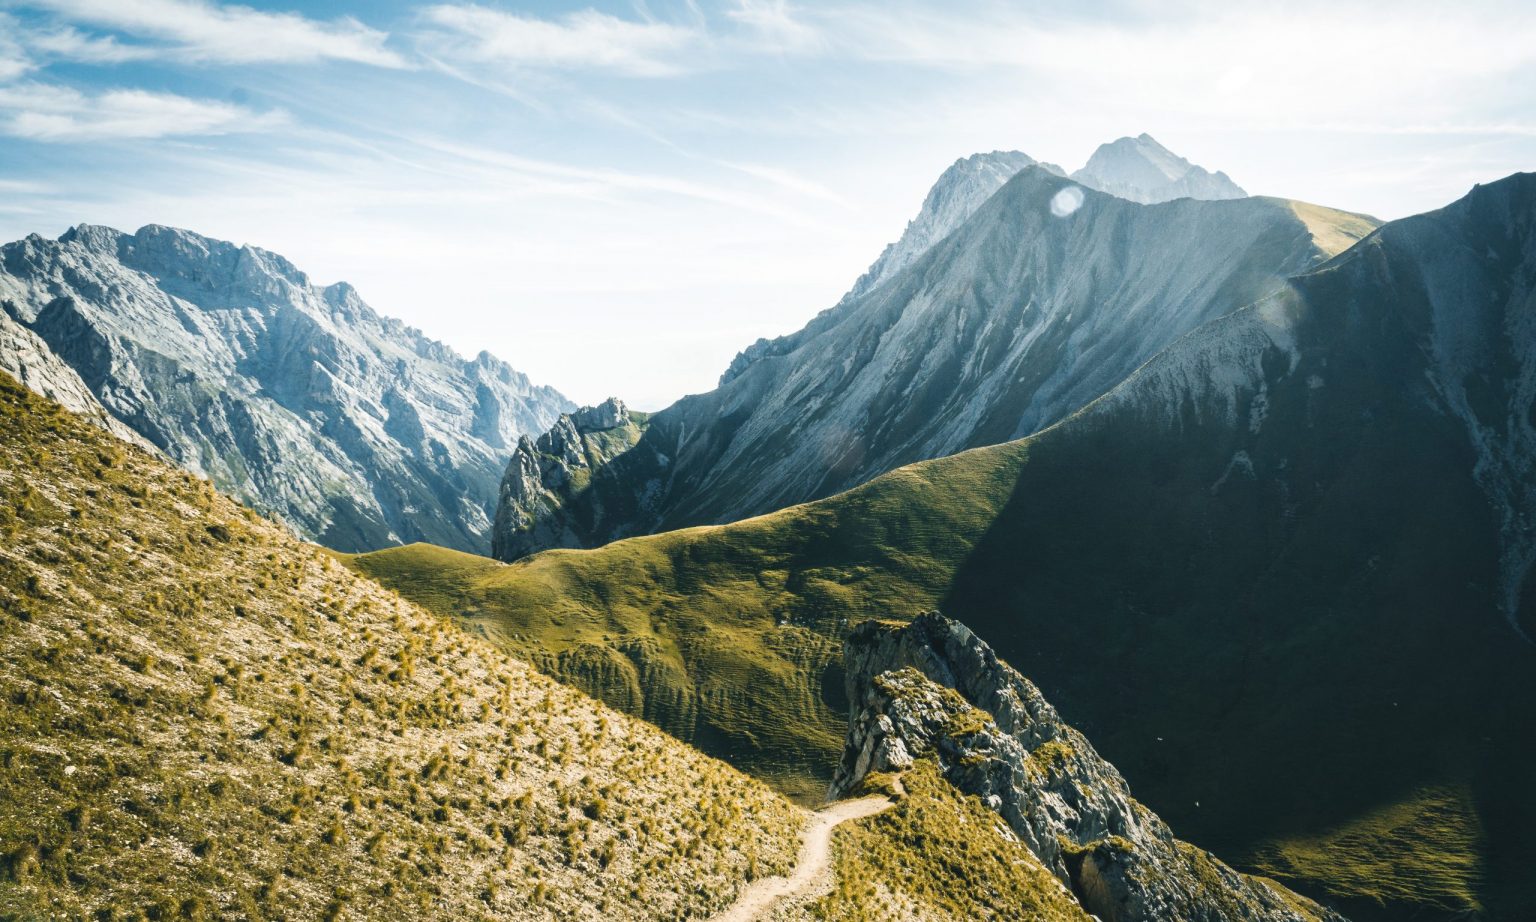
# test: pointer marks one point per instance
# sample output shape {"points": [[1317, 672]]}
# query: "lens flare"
{"points": [[1068, 200]]}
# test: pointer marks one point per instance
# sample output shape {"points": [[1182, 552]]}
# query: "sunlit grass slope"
{"points": [[201, 717], [938, 854], [728, 636]]}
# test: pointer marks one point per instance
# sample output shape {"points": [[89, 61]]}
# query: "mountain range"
{"points": [[1010, 319], [1237, 488], [299, 399]]}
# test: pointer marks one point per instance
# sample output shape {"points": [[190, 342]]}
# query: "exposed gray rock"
{"points": [[933, 689], [1142, 170], [25, 357], [297, 399], [1013, 321], [958, 193], [548, 475]]}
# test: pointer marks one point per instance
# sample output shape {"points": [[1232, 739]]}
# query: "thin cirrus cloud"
{"points": [[70, 44], [14, 60], [585, 40], [40, 112], [201, 31], [774, 25]]}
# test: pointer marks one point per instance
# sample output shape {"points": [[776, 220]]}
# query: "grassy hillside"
{"points": [[727, 636], [201, 717], [1269, 713], [937, 854]]}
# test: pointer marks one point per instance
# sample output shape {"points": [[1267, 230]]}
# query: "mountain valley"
{"points": [[204, 718]]}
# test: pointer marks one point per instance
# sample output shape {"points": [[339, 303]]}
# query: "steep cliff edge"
{"points": [[931, 688]]}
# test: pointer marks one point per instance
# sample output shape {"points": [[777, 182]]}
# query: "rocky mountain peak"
{"points": [[610, 414], [93, 237], [1137, 169], [933, 689], [300, 400], [544, 472], [959, 191], [1142, 170]]}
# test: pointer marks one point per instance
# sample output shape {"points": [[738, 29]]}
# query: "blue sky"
{"points": [[616, 197]]}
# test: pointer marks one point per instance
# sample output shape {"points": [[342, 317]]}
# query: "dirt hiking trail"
{"points": [[815, 858]]}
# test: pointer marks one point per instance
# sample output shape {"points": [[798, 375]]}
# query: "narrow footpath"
{"points": [[815, 858]]}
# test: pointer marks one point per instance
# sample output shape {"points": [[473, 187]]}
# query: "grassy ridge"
{"points": [[939, 854], [744, 622], [201, 717]]}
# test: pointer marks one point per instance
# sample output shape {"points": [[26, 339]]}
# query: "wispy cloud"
{"points": [[200, 30], [71, 44], [14, 60], [774, 25], [498, 168], [1249, 62], [586, 40], [40, 112]]}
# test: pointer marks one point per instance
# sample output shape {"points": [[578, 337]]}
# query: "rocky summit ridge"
{"points": [[1137, 169], [299, 399], [1011, 322], [932, 689], [1142, 170]]}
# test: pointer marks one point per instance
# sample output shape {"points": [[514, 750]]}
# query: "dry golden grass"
{"points": [[202, 717]]}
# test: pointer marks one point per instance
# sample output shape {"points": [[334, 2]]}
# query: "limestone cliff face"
{"points": [[298, 399], [933, 689], [546, 476]]}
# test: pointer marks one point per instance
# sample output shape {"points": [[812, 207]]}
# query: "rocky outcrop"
{"points": [[25, 357], [297, 399], [1014, 320], [933, 689], [546, 476], [1141, 170]]}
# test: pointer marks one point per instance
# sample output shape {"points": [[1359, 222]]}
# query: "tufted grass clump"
{"points": [[938, 854]]}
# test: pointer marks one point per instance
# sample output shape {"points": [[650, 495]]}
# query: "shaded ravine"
{"points": [[815, 857]]}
